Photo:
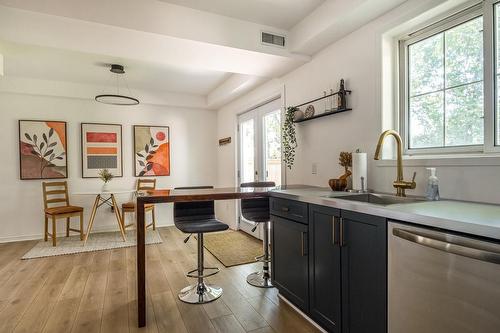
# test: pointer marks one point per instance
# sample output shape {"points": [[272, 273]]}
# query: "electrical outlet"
{"points": [[314, 168]]}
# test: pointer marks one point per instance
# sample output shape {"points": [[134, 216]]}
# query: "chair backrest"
{"points": [[196, 210], [55, 194], [257, 209], [146, 184]]}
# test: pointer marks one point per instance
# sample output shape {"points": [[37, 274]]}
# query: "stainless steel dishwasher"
{"points": [[442, 283]]}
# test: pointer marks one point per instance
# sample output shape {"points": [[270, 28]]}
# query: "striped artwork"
{"points": [[101, 148]]}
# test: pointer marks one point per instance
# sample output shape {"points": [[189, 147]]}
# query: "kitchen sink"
{"points": [[379, 199]]}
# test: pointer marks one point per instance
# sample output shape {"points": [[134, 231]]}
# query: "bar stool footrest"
{"points": [[263, 258], [191, 275]]}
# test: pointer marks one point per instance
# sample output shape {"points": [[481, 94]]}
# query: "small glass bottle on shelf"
{"points": [[332, 99], [326, 101]]}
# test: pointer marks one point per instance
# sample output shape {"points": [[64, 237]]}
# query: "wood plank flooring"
{"points": [[96, 292]]}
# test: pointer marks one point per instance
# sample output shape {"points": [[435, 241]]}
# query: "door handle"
{"points": [[303, 237], [285, 209], [475, 250]]}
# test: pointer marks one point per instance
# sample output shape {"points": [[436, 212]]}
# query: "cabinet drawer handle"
{"points": [[341, 226], [334, 235], [285, 209], [303, 237]]}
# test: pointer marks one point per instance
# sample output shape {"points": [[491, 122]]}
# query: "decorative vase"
{"points": [[104, 187], [338, 184], [298, 115]]}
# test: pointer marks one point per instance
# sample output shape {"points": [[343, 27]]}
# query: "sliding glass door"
{"points": [[259, 148]]}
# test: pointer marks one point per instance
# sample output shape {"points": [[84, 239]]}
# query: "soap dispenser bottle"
{"points": [[433, 185]]}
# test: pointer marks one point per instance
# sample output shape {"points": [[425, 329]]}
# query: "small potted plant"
{"points": [[340, 184], [106, 177]]}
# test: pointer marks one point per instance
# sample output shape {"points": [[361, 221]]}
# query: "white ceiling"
{"points": [[282, 14], [180, 47], [44, 63]]}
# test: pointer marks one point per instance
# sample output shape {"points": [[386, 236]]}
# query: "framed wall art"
{"points": [[101, 149], [42, 149], [151, 151]]}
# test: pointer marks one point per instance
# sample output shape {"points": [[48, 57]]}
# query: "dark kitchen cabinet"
{"points": [[324, 267], [332, 264], [290, 267], [364, 273]]}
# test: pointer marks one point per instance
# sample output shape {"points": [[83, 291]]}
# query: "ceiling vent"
{"points": [[271, 39]]}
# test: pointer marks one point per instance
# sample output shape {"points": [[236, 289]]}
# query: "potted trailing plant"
{"points": [[106, 177], [289, 139]]}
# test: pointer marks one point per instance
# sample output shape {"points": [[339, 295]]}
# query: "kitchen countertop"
{"points": [[460, 216]]}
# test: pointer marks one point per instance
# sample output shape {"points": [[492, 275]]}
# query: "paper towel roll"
{"points": [[359, 167]]}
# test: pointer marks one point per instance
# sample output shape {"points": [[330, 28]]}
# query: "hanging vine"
{"points": [[289, 139]]}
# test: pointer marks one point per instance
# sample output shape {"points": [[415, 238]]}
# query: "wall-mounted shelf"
{"points": [[320, 98], [324, 114]]}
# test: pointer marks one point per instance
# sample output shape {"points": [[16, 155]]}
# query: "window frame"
{"points": [[453, 19]]}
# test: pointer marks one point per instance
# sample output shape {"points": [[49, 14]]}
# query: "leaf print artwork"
{"points": [[45, 158], [152, 151]]}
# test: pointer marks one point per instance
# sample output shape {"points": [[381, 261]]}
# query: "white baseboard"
{"points": [[306, 317], [106, 228]]}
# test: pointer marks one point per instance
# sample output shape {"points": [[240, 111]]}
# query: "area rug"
{"points": [[233, 248], [96, 242]]}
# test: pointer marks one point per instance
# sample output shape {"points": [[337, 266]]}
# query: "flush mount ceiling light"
{"points": [[117, 99]]}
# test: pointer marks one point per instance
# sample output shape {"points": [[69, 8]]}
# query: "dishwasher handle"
{"points": [[474, 250]]}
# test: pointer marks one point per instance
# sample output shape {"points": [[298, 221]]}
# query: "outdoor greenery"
{"points": [[289, 139], [446, 88]]}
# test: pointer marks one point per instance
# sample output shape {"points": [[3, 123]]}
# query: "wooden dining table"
{"points": [[186, 195]]}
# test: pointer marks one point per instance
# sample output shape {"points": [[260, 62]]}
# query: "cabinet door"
{"points": [[364, 273], [290, 260], [324, 267]]}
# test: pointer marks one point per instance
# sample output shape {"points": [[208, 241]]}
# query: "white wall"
{"points": [[358, 59], [193, 156]]}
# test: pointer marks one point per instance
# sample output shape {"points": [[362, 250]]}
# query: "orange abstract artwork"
{"points": [[152, 151]]}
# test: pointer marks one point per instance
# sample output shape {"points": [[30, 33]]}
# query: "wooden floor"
{"points": [[96, 292]]}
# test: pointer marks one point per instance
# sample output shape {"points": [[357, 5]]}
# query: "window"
{"points": [[497, 71], [443, 97]]}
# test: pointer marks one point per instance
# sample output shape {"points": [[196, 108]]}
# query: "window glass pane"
{"points": [[497, 116], [497, 66], [272, 139], [247, 151], [445, 103], [464, 115], [426, 65], [426, 121], [464, 53]]}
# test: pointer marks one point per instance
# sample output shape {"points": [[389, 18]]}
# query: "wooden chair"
{"points": [[129, 207], [56, 193]]}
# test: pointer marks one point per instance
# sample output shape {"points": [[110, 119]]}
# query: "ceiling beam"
{"points": [[235, 86], [20, 85], [333, 20], [152, 31]]}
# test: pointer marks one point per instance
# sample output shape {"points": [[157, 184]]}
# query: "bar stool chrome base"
{"points": [[259, 279], [200, 293]]}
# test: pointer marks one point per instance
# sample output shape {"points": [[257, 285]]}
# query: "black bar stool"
{"points": [[198, 218], [257, 210]]}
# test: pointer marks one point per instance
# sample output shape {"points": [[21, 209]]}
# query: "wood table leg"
{"points": [[118, 216], [91, 219], [141, 264]]}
